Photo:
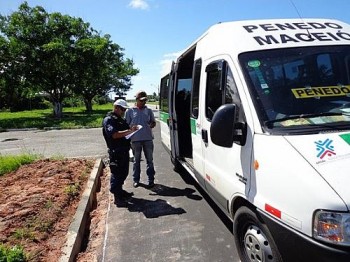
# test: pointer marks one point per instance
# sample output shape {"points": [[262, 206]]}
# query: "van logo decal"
{"points": [[346, 138], [324, 148]]}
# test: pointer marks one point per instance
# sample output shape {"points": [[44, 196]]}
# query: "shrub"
{"points": [[14, 254]]}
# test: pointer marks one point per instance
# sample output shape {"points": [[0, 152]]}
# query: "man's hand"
{"points": [[153, 124], [134, 128]]}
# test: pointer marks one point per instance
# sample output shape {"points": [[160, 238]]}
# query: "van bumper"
{"points": [[294, 246]]}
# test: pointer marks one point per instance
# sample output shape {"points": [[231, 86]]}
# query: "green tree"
{"points": [[40, 44], [60, 55], [24, 32], [102, 68], [11, 82]]}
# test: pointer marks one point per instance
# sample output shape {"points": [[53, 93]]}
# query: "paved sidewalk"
{"points": [[170, 222]]}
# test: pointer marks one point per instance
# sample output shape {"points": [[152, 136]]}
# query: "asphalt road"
{"points": [[175, 221], [54, 143]]}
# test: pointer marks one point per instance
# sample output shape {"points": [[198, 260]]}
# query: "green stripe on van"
{"points": [[346, 138], [164, 116], [193, 126]]}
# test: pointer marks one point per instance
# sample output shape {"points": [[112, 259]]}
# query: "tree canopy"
{"points": [[58, 56]]}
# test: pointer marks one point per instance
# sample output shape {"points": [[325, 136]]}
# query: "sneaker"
{"points": [[136, 184], [150, 185], [126, 193]]}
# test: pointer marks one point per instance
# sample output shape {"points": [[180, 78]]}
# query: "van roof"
{"points": [[249, 35]]}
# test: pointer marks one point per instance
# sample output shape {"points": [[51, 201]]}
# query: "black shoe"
{"points": [[136, 184], [120, 202], [150, 185], [126, 193]]}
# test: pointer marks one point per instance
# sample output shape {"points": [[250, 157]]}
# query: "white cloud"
{"points": [[167, 61], [139, 4], [173, 55], [166, 66]]}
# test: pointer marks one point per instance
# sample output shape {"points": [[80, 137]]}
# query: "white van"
{"points": [[258, 112]]}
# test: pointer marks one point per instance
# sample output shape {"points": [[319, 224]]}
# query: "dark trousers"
{"points": [[119, 165]]}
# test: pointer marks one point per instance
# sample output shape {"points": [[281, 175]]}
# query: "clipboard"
{"points": [[131, 134]]}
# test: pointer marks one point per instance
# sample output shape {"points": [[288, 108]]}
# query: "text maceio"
{"points": [[307, 36]]}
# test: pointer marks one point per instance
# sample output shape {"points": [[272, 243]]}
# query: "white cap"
{"points": [[121, 102]]}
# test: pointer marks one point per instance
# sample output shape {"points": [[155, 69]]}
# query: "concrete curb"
{"points": [[76, 229]]}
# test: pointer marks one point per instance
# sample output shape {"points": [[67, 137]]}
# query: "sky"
{"points": [[154, 32]]}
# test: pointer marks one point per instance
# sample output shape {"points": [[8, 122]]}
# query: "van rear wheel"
{"points": [[253, 239]]}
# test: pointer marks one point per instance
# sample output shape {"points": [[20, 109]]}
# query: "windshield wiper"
{"points": [[269, 122]]}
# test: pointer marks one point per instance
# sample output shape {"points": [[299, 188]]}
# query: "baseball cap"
{"points": [[141, 95], [121, 102]]}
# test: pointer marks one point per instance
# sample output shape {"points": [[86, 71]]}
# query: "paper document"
{"points": [[130, 135]]}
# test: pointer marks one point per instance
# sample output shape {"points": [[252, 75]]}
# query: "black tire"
{"points": [[253, 239]]}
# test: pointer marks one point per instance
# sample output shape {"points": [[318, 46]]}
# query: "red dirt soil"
{"points": [[38, 202]]}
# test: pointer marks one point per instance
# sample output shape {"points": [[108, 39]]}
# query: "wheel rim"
{"points": [[257, 245]]}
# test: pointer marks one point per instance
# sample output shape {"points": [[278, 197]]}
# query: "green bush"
{"points": [[14, 254], [73, 101], [102, 100]]}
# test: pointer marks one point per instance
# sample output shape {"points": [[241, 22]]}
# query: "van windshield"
{"points": [[300, 88]]}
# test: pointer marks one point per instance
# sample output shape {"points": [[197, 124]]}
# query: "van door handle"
{"points": [[205, 136]]}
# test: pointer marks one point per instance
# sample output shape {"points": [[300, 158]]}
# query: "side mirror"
{"points": [[224, 130]]}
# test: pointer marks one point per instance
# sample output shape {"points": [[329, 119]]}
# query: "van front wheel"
{"points": [[253, 239]]}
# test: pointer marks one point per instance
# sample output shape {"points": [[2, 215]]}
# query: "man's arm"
{"points": [[111, 131], [124, 133], [153, 120], [128, 115]]}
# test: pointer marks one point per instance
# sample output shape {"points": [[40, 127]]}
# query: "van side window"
{"points": [[221, 88], [231, 92], [164, 93], [232, 95], [195, 88], [214, 90]]}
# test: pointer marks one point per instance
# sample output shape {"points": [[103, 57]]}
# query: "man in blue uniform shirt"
{"points": [[115, 129]]}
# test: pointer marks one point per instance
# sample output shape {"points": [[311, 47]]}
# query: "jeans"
{"points": [[147, 147], [119, 165]]}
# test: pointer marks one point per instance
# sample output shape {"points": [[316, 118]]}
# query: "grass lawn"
{"points": [[10, 163], [73, 117]]}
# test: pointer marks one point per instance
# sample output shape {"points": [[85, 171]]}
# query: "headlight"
{"points": [[332, 227]]}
